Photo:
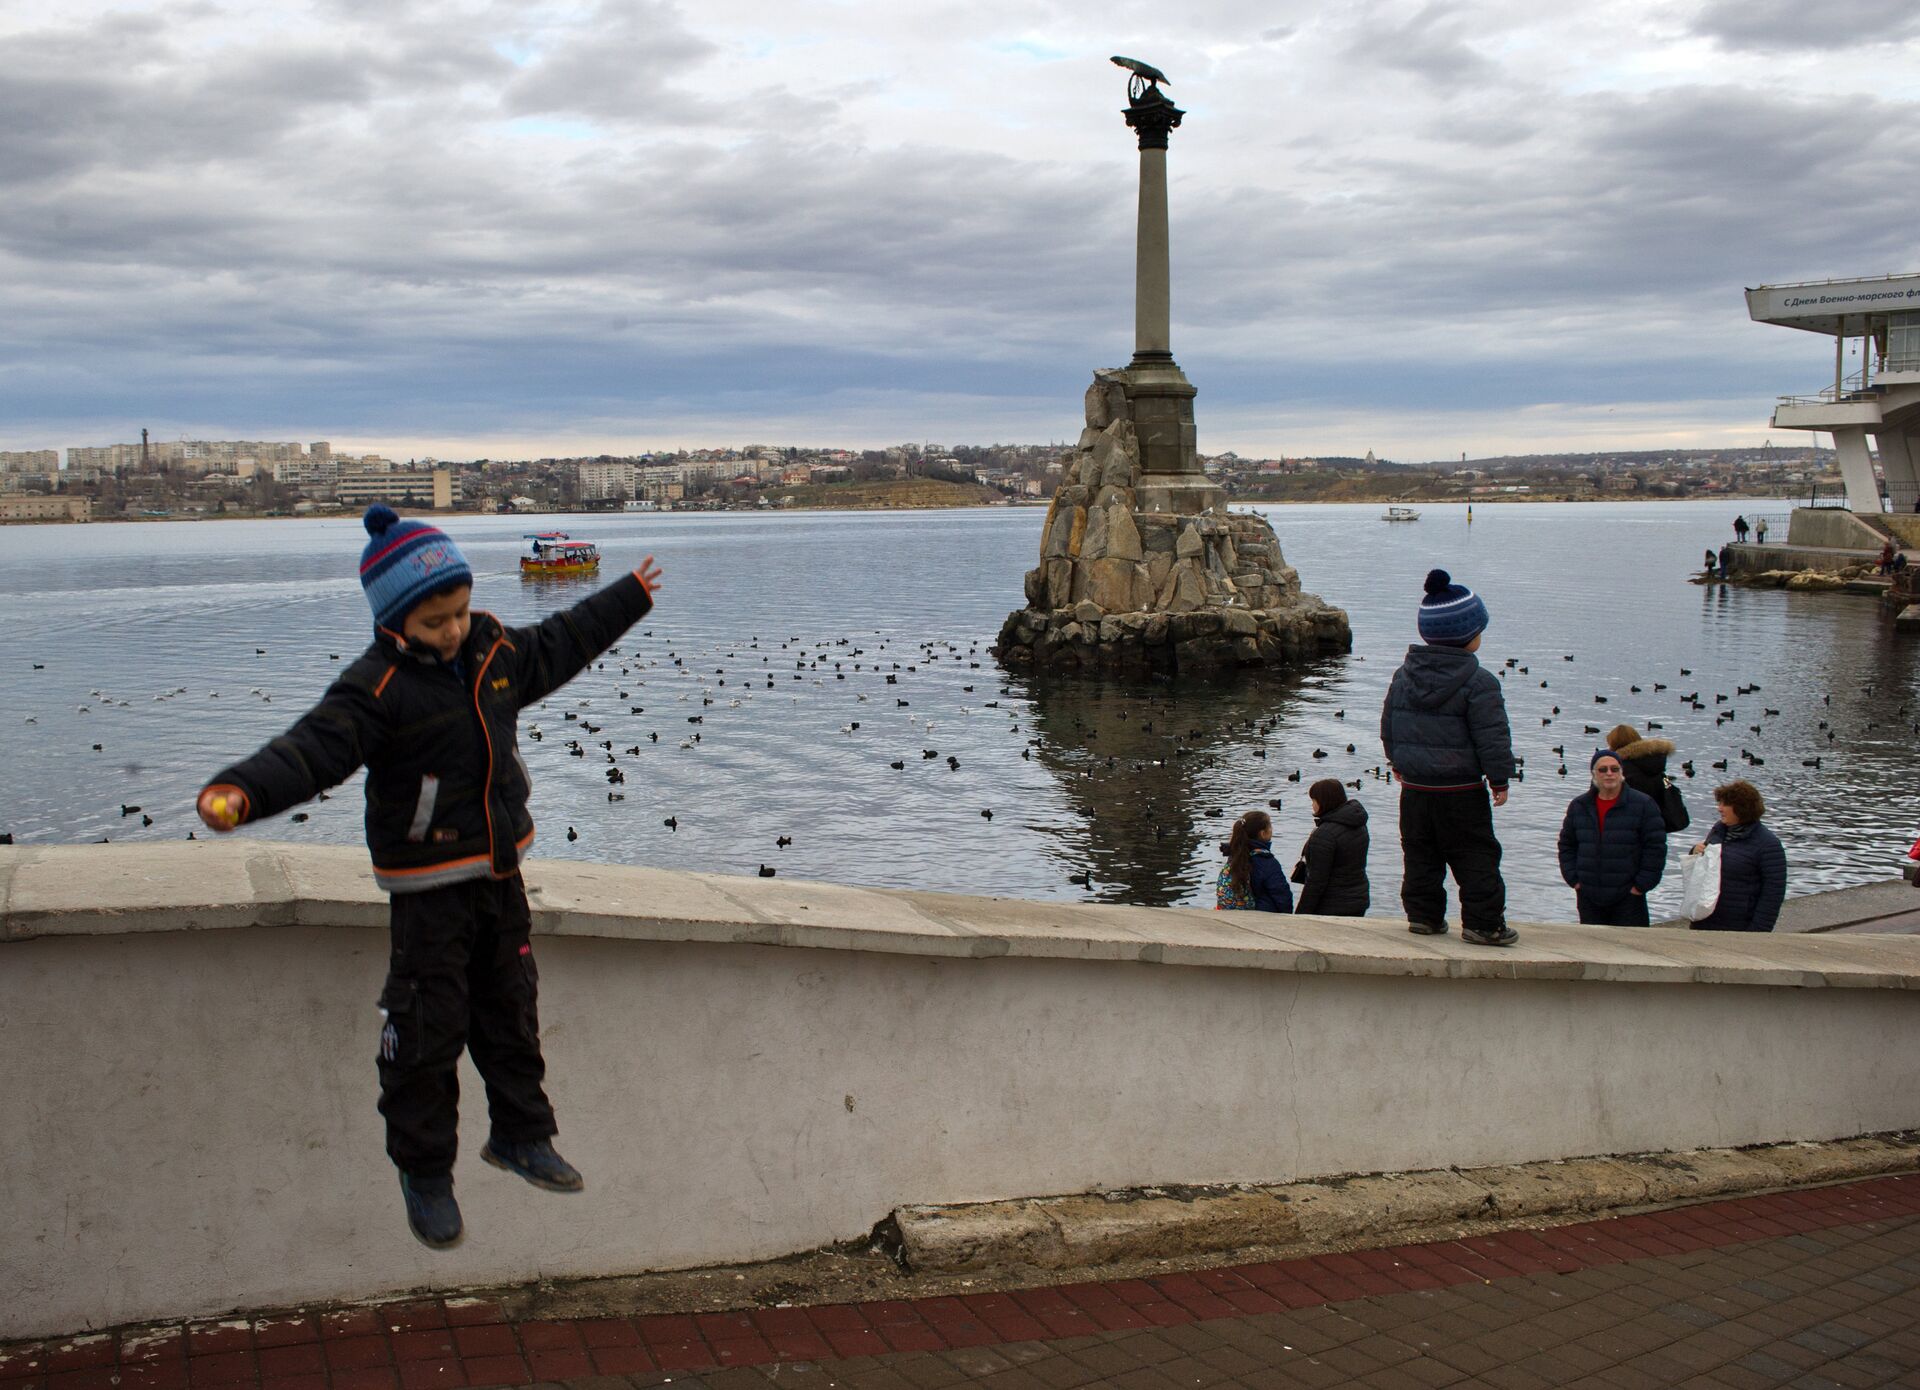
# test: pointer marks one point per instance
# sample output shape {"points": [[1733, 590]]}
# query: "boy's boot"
{"points": [[1427, 928], [534, 1160], [432, 1214], [1495, 936]]}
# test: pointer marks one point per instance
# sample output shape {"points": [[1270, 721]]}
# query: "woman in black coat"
{"points": [[1332, 872], [1613, 847], [1753, 866]]}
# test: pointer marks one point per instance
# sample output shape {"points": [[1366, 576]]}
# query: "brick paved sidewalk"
{"points": [[1812, 1288]]}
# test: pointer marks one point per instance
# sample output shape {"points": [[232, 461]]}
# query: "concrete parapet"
{"points": [[1832, 528], [748, 1068]]}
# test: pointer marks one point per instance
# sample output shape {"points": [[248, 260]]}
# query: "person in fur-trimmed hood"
{"points": [[1644, 760]]}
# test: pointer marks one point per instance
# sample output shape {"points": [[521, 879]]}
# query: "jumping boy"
{"points": [[1444, 725], [431, 709]]}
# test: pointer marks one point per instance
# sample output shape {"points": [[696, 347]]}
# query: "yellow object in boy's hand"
{"points": [[221, 810]]}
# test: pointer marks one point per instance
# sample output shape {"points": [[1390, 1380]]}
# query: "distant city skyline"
{"points": [[1417, 228]]}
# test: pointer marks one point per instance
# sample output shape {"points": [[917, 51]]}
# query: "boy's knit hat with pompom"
{"points": [[405, 562], [1451, 615]]}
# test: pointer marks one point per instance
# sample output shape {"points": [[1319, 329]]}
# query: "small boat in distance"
{"points": [[1399, 514], [553, 553]]}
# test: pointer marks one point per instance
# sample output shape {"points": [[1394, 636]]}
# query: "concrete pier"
{"points": [[748, 1068]]}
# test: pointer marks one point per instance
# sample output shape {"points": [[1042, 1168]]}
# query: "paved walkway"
{"points": [[1812, 1288], [1890, 906]]}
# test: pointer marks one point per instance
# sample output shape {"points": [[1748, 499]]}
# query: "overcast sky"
{"points": [[508, 229]]}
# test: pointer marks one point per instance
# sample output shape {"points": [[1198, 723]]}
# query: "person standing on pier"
{"points": [[1753, 865], [1251, 880], [1332, 872], [1644, 760], [1740, 529], [431, 709], [1612, 871], [1444, 727]]}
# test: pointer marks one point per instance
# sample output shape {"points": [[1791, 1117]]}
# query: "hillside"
{"points": [[887, 493]]}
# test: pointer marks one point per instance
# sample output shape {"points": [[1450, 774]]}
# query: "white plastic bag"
{"points": [[1700, 883]]}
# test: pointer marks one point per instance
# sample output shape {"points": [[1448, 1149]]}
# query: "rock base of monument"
{"points": [[1148, 574], [1209, 641]]}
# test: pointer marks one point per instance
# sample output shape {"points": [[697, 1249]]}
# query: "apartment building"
{"points": [[437, 488], [598, 481]]}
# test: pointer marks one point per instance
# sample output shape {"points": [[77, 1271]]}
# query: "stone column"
{"points": [[1159, 396], [1153, 117]]}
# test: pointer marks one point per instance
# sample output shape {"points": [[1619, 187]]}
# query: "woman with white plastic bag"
{"points": [[1752, 882]]}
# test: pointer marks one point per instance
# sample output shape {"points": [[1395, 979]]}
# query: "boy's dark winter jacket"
{"points": [[1444, 723], [1753, 879], [446, 787], [1632, 853], [1335, 861]]}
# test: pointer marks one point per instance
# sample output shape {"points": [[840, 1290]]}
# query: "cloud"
{"points": [[475, 218], [624, 62], [1767, 26], [1426, 42]]}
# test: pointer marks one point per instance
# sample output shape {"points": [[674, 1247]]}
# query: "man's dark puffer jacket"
{"points": [[1335, 858], [1444, 723], [1632, 853], [446, 787]]}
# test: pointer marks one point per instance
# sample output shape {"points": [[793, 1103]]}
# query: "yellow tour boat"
{"points": [[553, 553]]}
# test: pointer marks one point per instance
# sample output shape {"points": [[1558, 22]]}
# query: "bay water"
{"points": [[177, 647]]}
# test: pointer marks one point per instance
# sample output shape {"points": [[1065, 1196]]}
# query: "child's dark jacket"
{"points": [[1444, 723], [446, 787]]}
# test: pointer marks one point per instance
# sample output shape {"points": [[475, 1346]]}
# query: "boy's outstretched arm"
{"points": [[321, 750], [556, 649]]}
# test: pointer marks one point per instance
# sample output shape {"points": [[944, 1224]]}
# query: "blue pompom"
{"points": [[1438, 581], [378, 518]]}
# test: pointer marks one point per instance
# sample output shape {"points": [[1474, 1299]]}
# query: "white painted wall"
{"points": [[190, 1122]]}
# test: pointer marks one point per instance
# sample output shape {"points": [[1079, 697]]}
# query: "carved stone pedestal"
{"points": [[1143, 571]]}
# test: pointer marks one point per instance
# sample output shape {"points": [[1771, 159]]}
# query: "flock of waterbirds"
{"points": [[648, 697]]}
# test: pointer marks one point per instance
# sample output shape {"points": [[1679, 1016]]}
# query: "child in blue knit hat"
{"points": [[431, 709], [1445, 729]]}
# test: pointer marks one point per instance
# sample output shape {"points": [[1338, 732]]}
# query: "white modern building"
{"points": [[438, 489], [1881, 397]]}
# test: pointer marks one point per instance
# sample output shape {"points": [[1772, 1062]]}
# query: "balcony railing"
{"points": [[1858, 387]]}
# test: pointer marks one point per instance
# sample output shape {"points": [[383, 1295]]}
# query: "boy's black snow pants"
{"points": [[1451, 830], [461, 976]]}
